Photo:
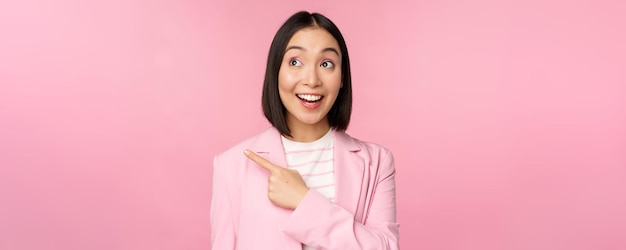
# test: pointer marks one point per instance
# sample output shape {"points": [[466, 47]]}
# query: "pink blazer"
{"points": [[364, 216]]}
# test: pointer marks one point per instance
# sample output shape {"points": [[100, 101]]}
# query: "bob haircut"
{"points": [[273, 108]]}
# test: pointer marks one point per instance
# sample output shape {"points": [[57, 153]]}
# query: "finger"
{"points": [[264, 163]]}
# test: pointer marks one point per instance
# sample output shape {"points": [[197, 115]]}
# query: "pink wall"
{"points": [[507, 120]]}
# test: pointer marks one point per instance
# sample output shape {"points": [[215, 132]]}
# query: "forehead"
{"points": [[314, 38]]}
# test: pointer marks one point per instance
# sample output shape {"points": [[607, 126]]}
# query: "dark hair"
{"points": [[273, 108]]}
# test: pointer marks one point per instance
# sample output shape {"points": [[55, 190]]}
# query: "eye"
{"points": [[327, 64], [295, 62]]}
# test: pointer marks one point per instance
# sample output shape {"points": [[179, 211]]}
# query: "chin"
{"points": [[310, 121]]}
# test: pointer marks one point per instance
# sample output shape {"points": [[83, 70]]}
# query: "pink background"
{"points": [[507, 118]]}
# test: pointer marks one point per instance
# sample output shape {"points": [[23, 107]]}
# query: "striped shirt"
{"points": [[314, 162]]}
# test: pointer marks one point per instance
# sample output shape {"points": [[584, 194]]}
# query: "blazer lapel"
{"points": [[349, 175], [270, 146]]}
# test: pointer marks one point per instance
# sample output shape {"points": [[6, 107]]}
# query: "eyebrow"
{"points": [[324, 50]]}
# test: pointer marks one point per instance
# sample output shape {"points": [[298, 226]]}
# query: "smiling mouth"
{"points": [[310, 98]]}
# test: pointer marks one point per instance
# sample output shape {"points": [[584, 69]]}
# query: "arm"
{"points": [[319, 223], [223, 234]]}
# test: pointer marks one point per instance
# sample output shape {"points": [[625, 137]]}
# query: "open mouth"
{"points": [[310, 98], [310, 101]]}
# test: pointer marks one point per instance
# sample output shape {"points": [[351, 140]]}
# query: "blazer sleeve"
{"points": [[223, 234], [320, 223]]}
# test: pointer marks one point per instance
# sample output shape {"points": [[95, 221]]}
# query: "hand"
{"points": [[285, 188]]}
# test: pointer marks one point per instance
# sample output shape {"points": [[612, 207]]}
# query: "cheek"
{"points": [[282, 92], [333, 82], [285, 80], [284, 87]]}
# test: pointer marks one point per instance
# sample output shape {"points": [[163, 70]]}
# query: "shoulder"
{"points": [[370, 150], [236, 151], [377, 158]]}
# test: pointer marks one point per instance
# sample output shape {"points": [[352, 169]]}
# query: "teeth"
{"points": [[310, 98]]}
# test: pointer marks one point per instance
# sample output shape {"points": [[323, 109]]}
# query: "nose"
{"points": [[311, 77]]}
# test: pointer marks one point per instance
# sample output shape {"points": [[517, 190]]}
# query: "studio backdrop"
{"points": [[507, 119]]}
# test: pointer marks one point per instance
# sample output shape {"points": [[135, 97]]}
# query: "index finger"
{"points": [[264, 163]]}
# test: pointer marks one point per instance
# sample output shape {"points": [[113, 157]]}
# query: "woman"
{"points": [[304, 183]]}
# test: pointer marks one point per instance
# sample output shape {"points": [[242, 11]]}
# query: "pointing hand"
{"points": [[286, 188]]}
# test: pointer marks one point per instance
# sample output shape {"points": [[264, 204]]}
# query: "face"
{"points": [[309, 78]]}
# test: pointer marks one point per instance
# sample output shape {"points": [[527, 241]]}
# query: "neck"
{"points": [[308, 132]]}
